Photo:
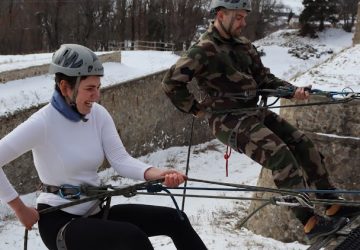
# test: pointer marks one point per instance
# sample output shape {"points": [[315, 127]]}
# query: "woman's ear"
{"points": [[64, 88]]}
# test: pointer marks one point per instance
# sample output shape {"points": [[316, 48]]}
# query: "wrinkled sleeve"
{"points": [[177, 78], [22, 139], [116, 154], [262, 74]]}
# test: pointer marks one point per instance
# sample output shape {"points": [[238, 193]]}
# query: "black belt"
{"points": [[72, 192]]}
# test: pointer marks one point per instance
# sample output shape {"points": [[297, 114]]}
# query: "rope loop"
{"points": [[226, 157]]}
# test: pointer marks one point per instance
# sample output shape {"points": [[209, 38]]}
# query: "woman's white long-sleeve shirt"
{"points": [[67, 152]]}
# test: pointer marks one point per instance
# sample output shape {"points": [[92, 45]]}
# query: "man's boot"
{"points": [[337, 210], [318, 226]]}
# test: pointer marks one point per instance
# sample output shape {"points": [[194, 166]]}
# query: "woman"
{"points": [[70, 138]]}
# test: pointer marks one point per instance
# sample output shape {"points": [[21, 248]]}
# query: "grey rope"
{"points": [[187, 163]]}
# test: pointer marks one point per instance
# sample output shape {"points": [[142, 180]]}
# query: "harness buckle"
{"points": [[68, 191], [300, 200]]}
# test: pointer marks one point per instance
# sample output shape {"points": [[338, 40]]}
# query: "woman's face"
{"points": [[88, 93]]}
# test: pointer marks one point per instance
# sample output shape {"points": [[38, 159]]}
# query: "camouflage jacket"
{"points": [[229, 71]]}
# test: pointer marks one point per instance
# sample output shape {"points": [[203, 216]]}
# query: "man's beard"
{"points": [[236, 32]]}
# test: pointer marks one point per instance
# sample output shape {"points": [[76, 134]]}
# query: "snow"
{"points": [[214, 220], [295, 5], [342, 72], [285, 66], [34, 91]]}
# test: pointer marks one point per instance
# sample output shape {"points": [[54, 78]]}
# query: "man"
{"points": [[228, 69]]}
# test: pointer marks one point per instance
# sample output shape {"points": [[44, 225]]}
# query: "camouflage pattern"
{"points": [[275, 144], [229, 72]]}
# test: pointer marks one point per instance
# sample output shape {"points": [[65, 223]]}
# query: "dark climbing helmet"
{"points": [[75, 60]]}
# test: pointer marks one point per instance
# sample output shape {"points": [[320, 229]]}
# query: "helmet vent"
{"points": [[70, 60]]}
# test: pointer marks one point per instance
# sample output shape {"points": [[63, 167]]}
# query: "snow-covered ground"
{"points": [[25, 93], [214, 220], [295, 5]]}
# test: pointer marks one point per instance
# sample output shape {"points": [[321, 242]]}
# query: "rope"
{"points": [[287, 92], [276, 200], [234, 111], [274, 190], [158, 188], [187, 162], [207, 196], [125, 191], [26, 238], [247, 187], [291, 198], [226, 157], [242, 223]]}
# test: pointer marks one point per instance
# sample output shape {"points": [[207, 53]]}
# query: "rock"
{"points": [[342, 157]]}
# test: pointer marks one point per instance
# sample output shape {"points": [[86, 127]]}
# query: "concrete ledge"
{"points": [[17, 74], [340, 119]]}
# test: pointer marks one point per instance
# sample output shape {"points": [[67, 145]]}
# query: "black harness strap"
{"points": [[71, 192]]}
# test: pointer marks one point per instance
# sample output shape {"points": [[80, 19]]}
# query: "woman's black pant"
{"points": [[127, 227]]}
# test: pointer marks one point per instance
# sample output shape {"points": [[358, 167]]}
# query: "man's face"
{"points": [[233, 20]]}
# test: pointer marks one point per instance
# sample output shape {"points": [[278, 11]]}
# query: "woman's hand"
{"points": [[28, 216], [172, 178], [302, 93]]}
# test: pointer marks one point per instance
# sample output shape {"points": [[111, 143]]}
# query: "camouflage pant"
{"points": [[276, 145]]}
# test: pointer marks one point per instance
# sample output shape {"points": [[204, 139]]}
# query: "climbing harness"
{"points": [[100, 194], [283, 197], [72, 192]]}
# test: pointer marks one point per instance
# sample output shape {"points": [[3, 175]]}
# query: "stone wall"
{"points": [[342, 157], [16, 74], [356, 39], [340, 119], [144, 116]]}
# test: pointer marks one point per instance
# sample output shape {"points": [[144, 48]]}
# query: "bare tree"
{"points": [[19, 31], [38, 25], [347, 13], [49, 20], [120, 20]]}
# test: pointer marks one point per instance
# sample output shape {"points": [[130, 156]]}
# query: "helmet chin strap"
{"points": [[73, 99], [75, 92], [228, 30]]}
